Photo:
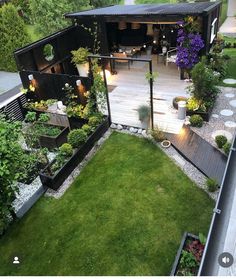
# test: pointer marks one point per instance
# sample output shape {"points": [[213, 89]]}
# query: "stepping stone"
{"points": [[229, 95], [229, 81], [230, 124], [227, 134], [215, 115], [226, 112], [233, 103]]}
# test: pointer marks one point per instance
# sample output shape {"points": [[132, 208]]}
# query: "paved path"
{"points": [[200, 153], [228, 28]]}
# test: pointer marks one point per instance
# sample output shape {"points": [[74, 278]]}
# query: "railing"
{"points": [[167, 54]]}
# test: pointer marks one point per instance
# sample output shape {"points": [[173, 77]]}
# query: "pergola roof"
{"points": [[148, 9]]}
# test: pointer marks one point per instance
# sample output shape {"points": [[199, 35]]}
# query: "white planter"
{"points": [[83, 69]]}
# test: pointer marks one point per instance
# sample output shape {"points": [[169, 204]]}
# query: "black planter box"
{"points": [[76, 123], [205, 115], [54, 142], [186, 236], [55, 181]]}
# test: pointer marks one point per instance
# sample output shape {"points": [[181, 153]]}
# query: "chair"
{"points": [[121, 55]]}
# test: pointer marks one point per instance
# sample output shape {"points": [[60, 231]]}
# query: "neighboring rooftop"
{"points": [[149, 9]]}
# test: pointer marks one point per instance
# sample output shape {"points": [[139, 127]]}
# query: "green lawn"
{"points": [[223, 13], [124, 215]]}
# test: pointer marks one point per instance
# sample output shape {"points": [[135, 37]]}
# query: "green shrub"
{"points": [[77, 137], [144, 112], [94, 121], [88, 129], [220, 140], [157, 134], [212, 184], [30, 116], [226, 148], [196, 120], [66, 150], [43, 117], [80, 55], [13, 36]]}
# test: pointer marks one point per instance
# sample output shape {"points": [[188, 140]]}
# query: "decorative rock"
{"points": [[233, 103], [113, 126], [229, 95], [226, 112], [227, 134], [229, 81], [140, 131], [214, 115], [230, 124], [119, 127], [144, 133], [133, 130]]}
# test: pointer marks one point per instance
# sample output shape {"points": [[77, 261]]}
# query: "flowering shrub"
{"points": [[189, 45]]}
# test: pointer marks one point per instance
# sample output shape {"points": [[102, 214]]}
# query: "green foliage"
{"points": [[77, 137], [188, 260], [88, 129], [30, 116], [157, 134], [193, 104], [102, 3], [94, 121], [46, 130], [144, 112], [220, 140], [66, 150], [10, 162], [152, 76], [13, 36], [79, 56], [23, 8], [202, 238], [48, 14], [226, 148], [205, 83], [196, 120], [44, 117], [212, 184]]}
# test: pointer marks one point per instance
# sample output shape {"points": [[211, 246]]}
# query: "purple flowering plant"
{"points": [[189, 44]]}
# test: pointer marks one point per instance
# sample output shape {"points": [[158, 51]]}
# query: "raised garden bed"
{"points": [[54, 181], [76, 123], [189, 244], [205, 115]]}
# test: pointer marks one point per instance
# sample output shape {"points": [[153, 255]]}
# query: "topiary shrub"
{"points": [[220, 140], [226, 148], [94, 121], [88, 129], [212, 184], [66, 150], [77, 137], [196, 120]]}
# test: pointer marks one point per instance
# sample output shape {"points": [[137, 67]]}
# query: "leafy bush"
{"points": [[158, 135], [88, 129], [226, 148], [94, 121], [196, 120], [212, 184], [66, 150], [13, 36], [80, 55], [77, 137], [30, 116], [220, 140], [188, 260], [43, 117]]}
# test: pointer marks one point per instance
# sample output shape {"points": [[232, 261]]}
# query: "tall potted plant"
{"points": [[79, 58], [144, 116]]}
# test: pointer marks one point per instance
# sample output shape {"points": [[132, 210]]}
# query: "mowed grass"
{"points": [[124, 215]]}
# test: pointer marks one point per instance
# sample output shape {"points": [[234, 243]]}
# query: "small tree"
{"points": [[13, 36], [103, 3]]}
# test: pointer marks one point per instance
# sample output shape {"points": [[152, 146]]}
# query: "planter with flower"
{"points": [[189, 45], [79, 58]]}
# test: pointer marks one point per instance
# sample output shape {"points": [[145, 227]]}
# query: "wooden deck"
{"points": [[130, 89], [200, 153]]}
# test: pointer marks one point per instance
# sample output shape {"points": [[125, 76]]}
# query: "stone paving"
{"points": [[223, 118]]}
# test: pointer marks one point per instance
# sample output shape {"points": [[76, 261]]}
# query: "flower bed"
{"points": [[188, 257], [55, 180]]}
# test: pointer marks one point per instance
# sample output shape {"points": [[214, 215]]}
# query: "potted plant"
{"points": [[144, 116], [79, 58]]}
